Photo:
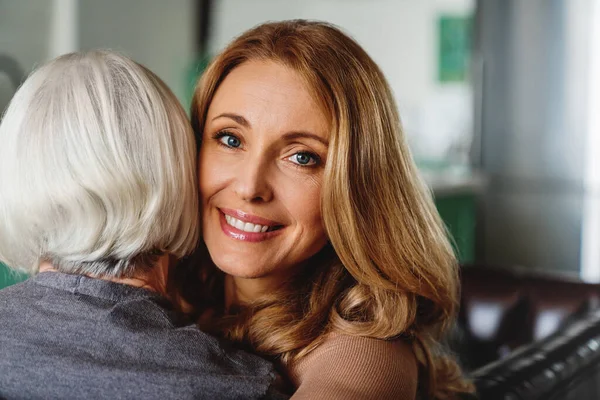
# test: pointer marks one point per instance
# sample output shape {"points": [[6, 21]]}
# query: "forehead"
{"points": [[267, 93]]}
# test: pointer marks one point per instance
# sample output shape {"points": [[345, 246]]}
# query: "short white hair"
{"points": [[97, 169]]}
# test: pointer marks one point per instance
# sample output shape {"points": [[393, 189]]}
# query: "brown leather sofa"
{"points": [[562, 366], [503, 309], [529, 335]]}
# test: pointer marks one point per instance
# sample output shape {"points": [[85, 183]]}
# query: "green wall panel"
{"points": [[9, 277], [459, 213]]}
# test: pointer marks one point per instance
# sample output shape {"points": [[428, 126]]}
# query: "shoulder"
{"points": [[352, 367], [19, 295]]}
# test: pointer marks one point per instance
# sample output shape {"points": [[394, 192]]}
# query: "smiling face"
{"points": [[262, 158]]}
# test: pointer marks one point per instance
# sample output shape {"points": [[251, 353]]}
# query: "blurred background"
{"points": [[499, 101]]}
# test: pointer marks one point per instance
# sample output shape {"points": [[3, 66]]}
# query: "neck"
{"points": [[155, 279]]}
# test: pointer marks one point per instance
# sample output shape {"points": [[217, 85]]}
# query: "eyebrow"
{"points": [[287, 136], [306, 135], [236, 117]]}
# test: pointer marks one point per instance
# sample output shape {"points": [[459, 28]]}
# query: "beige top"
{"points": [[356, 368]]}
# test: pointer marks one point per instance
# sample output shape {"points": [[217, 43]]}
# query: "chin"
{"points": [[242, 268]]}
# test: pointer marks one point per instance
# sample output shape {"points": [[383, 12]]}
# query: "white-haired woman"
{"points": [[97, 192]]}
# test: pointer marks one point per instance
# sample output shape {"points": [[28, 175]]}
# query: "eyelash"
{"points": [[221, 134]]}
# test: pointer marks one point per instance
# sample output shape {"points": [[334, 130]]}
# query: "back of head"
{"points": [[97, 169]]}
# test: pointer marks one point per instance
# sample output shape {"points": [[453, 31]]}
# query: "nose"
{"points": [[252, 181]]}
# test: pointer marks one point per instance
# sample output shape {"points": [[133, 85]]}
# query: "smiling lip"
{"points": [[253, 219], [242, 235]]}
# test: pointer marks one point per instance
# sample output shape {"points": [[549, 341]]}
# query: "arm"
{"points": [[348, 368]]}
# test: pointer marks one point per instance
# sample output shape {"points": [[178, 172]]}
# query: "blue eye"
{"points": [[304, 159], [230, 141]]}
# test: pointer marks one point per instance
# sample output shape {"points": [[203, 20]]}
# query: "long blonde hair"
{"points": [[389, 270]]}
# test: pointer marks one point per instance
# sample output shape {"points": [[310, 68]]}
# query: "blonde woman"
{"points": [[323, 248], [98, 194]]}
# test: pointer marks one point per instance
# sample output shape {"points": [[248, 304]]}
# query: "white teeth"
{"points": [[246, 227], [239, 224]]}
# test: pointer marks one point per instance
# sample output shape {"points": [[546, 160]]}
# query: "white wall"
{"points": [[22, 24], [400, 35], [24, 28], [157, 33]]}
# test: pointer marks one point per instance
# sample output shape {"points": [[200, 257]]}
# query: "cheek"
{"points": [[304, 203], [210, 174]]}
